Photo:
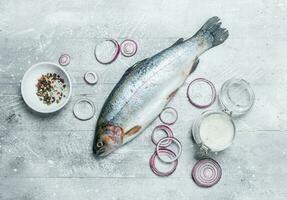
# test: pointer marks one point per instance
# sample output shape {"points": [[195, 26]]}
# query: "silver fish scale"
{"points": [[131, 85]]}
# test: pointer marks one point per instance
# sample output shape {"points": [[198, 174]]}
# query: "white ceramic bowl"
{"points": [[29, 89]]}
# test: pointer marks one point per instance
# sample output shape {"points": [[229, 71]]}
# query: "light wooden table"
{"points": [[50, 157]]}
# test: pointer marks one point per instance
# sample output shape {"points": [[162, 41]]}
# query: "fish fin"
{"points": [[134, 66], [133, 130], [194, 66], [212, 27], [180, 40]]}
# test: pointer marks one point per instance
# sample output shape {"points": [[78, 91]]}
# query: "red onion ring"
{"points": [[112, 57], [129, 48], [91, 78], [64, 60], [159, 146], [206, 172], [81, 114], [153, 165], [166, 111], [213, 90], [165, 129]]}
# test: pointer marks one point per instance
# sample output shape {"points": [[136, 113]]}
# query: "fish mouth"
{"points": [[104, 151], [101, 153]]}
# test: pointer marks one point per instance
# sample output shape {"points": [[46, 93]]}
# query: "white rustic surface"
{"points": [[50, 157]]}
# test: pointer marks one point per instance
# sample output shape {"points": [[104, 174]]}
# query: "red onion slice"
{"points": [[155, 169], [129, 48], [168, 116], [159, 146], [107, 51], [164, 129], [91, 78], [84, 109], [206, 172], [64, 60], [197, 93]]}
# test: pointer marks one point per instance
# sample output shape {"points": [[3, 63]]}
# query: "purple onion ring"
{"points": [[159, 146], [206, 172], [153, 165], [165, 129], [213, 90], [168, 109], [91, 81], [115, 54], [129, 48], [64, 60]]}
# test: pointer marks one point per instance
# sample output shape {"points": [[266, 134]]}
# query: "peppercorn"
{"points": [[50, 88]]}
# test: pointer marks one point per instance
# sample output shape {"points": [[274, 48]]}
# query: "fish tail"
{"points": [[213, 32]]}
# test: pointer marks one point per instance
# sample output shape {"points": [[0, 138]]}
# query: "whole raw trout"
{"points": [[147, 86]]}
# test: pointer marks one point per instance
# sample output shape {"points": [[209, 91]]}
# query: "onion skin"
{"points": [[213, 93]]}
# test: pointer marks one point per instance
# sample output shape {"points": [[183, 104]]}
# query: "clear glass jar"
{"points": [[215, 130]]}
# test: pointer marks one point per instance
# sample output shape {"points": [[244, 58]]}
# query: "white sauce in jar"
{"points": [[217, 131]]}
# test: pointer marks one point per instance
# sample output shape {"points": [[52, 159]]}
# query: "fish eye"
{"points": [[100, 144]]}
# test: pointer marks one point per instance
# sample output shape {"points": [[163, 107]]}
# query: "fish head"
{"points": [[108, 138]]}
